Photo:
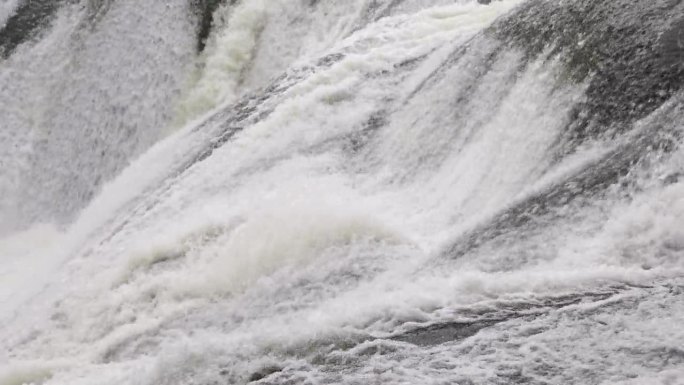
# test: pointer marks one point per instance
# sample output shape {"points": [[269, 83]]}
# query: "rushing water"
{"points": [[357, 192]]}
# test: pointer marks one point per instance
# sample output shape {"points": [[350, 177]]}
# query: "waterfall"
{"points": [[318, 192]]}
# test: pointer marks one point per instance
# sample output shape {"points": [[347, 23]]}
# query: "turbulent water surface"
{"points": [[341, 192]]}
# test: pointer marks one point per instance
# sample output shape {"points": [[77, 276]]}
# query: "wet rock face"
{"points": [[631, 56], [630, 52], [26, 22], [204, 10], [672, 44], [33, 16]]}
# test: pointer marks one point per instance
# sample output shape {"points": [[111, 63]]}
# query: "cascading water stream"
{"points": [[318, 192]]}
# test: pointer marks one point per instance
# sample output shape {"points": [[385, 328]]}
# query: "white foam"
{"points": [[27, 261], [227, 59], [285, 232], [24, 374]]}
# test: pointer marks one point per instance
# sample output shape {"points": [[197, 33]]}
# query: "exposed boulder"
{"points": [[630, 52]]}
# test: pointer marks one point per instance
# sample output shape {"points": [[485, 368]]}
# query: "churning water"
{"points": [[352, 192]]}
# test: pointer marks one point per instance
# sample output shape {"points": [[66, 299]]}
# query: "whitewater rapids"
{"points": [[354, 192]]}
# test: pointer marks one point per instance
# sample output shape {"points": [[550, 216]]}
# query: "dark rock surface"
{"points": [[26, 22], [204, 10], [630, 52], [444, 332]]}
